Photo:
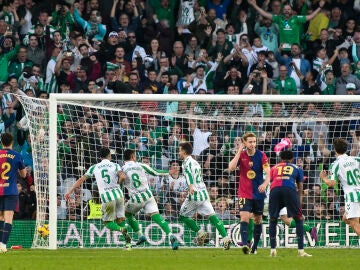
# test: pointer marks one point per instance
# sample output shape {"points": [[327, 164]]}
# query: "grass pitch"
{"points": [[182, 259]]}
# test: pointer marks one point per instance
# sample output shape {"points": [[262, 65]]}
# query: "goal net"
{"points": [[67, 131]]}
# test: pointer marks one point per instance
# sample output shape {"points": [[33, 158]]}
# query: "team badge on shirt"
{"points": [[251, 174]]}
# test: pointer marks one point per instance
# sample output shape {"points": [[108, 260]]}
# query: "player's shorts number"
{"points": [[242, 202]]}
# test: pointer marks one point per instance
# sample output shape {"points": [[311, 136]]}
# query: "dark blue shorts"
{"points": [[8, 202], [284, 197], [253, 206]]}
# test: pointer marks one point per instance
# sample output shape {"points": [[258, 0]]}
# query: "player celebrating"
{"points": [[107, 175], [252, 186], [198, 198], [11, 164], [284, 177], [345, 169], [141, 197]]}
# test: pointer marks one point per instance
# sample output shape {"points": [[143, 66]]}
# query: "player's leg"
{"points": [[109, 216], [151, 208], [9, 207], [258, 209], [245, 206], [290, 222], [131, 208], [251, 229], [120, 220], [292, 204], [1, 224], [206, 209], [187, 211], [273, 214]]}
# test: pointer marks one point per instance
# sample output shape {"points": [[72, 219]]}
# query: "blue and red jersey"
{"points": [[285, 174], [10, 162], [251, 174]]}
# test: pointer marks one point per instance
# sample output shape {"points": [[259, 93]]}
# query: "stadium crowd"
{"points": [[181, 47]]}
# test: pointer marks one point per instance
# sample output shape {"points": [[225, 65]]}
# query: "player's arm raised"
{"points": [[154, 172], [324, 177], [234, 162], [75, 185]]}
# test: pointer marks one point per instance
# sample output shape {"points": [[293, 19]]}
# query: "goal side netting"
{"points": [[67, 131]]}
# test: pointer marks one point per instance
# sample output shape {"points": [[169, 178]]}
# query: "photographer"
{"points": [[257, 83]]}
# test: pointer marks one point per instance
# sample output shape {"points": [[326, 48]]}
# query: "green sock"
{"points": [[134, 224], [158, 219], [215, 221], [306, 227], [250, 230], [190, 223], [122, 223], [292, 224], [112, 226]]}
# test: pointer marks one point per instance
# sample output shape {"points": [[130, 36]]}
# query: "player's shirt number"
{"points": [[5, 168], [136, 180], [285, 170], [353, 177], [105, 175]]}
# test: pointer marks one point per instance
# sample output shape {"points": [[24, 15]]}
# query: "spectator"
{"points": [[16, 66], [268, 33], [295, 58], [63, 20], [288, 22], [285, 85], [345, 78], [42, 24], [34, 53], [222, 210], [93, 27]]}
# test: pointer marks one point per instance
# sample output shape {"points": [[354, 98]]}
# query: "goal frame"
{"points": [[54, 99]]}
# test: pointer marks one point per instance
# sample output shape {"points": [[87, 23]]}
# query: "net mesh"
{"points": [[155, 128]]}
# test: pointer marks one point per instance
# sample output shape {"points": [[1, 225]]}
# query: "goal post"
{"points": [[205, 120]]}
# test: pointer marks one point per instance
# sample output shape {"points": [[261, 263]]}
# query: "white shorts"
{"points": [[113, 210], [283, 211], [149, 206], [352, 210], [189, 208]]}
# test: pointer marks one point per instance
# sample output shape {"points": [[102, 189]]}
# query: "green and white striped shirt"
{"points": [[193, 174], [136, 181], [346, 169], [106, 175]]}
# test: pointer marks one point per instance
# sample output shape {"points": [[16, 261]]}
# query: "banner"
{"points": [[93, 234]]}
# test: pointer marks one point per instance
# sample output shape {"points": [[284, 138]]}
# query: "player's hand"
{"points": [[241, 147], [262, 188]]}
